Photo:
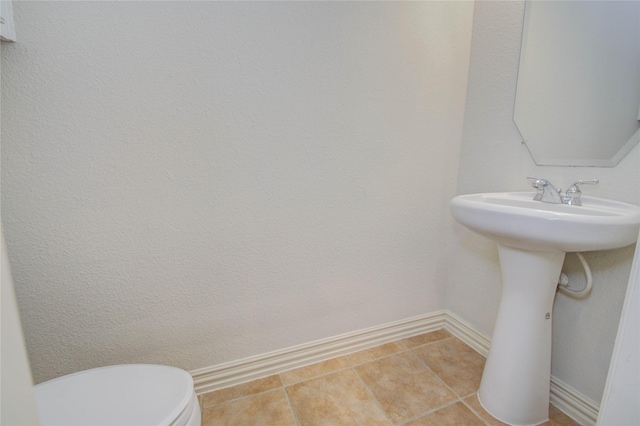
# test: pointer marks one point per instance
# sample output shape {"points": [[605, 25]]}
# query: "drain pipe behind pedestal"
{"points": [[563, 283]]}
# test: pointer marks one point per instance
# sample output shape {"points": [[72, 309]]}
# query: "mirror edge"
{"points": [[627, 147]]}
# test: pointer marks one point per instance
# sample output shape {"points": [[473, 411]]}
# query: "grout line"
{"points": [[434, 373], [315, 377], [433, 342], [431, 411], [350, 364], [200, 404], [240, 398], [378, 358], [293, 410], [474, 411], [460, 398], [411, 353], [370, 392]]}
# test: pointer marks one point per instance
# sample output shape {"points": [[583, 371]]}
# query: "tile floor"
{"points": [[429, 379]]}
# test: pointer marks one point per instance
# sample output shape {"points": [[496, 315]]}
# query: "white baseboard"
{"points": [[565, 398], [465, 332], [571, 402], [235, 372]]}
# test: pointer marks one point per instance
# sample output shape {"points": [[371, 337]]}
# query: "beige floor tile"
{"points": [[455, 363], [234, 392], [412, 342], [403, 386], [335, 399], [267, 408], [340, 398], [375, 353], [313, 370], [455, 414], [472, 401]]}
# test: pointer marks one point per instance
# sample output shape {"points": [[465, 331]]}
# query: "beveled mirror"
{"points": [[578, 95]]}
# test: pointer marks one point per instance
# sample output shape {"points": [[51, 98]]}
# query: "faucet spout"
{"points": [[546, 191]]}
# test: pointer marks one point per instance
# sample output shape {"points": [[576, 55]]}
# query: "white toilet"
{"points": [[123, 395]]}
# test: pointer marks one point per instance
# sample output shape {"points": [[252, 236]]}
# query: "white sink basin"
{"points": [[533, 238], [514, 219]]}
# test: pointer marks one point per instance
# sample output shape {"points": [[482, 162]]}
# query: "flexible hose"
{"points": [[564, 281]]}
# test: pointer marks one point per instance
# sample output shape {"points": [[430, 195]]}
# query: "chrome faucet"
{"points": [[549, 194]]}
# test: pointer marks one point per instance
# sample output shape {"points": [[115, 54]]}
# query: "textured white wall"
{"points": [[493, 159], [191, 183]]}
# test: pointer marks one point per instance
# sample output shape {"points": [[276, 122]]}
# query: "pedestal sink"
{"points": [[533, 237]]}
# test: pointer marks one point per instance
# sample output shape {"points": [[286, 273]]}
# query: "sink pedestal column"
{"points": [[516, 380]]}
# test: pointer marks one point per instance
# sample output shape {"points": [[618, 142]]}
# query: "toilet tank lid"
{"points": [[133, 394]]}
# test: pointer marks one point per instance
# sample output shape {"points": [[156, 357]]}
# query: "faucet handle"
{"points": [[573, 193], [577, 183]]}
